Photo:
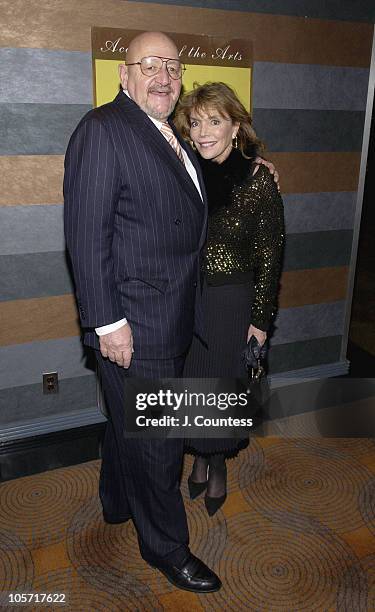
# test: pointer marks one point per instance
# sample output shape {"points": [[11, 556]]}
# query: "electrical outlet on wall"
{"points": [[50, 383]]}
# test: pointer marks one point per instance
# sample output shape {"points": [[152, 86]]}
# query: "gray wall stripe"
{"points": [[45, 76], [38, 129], [285, 357], [317, 250], [42, 129], [314, 212], [306, 322], [309, 86], [23, 402], [324, 87], [34, 275], [304, 212], [26, 362], [309, 130], [45, 274], [275, 84], [31, 229], [360, 10]]}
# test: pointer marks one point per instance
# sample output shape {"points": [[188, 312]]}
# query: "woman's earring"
{"points": [[235, 141], [193, 145]]}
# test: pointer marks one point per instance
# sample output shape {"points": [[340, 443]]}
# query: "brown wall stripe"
{"points": [[319, 286], [317, 172], [37, 179], [276, 38], [31, 179], [39, 319]]}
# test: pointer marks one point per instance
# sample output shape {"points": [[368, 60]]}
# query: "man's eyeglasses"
{"points": [[150, 66]]}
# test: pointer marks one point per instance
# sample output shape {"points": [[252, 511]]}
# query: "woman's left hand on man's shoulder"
{"points": [[271, 168]]}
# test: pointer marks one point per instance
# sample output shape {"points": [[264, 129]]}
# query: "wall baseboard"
{"points": [[39, 453], [321, 371], [49, 425]]}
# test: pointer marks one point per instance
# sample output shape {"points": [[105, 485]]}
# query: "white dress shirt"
{"points": [[106, 329]]}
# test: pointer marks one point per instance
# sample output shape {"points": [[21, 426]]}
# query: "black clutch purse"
{"points": [[258, 389]]}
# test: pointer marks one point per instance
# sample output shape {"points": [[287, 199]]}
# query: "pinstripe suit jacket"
{"points": [[134, 226]]}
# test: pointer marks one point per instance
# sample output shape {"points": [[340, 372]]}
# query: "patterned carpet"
{"points": [[297, 532]]}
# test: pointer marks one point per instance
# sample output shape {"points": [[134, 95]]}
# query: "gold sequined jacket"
{"points": [[246, 236]]}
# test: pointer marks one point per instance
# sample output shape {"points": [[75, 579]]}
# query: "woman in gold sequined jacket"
{"points": [[242, 258]]}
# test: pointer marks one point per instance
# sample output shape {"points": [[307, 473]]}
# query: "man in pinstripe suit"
{"points": [[135, 222]]}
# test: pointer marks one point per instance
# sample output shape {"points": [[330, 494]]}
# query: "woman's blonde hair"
{"points": [[224, 100]]}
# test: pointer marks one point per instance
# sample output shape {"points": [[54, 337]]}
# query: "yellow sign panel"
{"points": [[107, 82], [237, 78], [206, 58], [107, 79]]}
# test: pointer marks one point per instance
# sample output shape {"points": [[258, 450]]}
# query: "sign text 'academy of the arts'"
{"points": [[220, 53]]}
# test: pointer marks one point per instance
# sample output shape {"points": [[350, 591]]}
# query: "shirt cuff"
{"points": [[107, 329]]}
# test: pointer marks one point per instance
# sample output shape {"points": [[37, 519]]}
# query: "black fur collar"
{"points": [[219, 179]]}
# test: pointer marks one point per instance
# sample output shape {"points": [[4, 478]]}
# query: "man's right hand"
{"points": [[118, 346]]}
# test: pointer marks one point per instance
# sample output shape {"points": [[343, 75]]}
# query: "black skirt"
{"points": [[227, 311]]}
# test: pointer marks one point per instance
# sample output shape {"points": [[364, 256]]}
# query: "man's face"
{"points": [[156, 95]]}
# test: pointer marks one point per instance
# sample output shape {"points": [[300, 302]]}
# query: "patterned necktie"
{"points": [[167, 132]]}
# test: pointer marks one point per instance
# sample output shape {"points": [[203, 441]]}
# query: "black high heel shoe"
{"points": [[196, 488], [200, 468], [213, 504]]}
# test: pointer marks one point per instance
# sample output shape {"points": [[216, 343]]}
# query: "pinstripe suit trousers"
{"points": [[141, 478]]}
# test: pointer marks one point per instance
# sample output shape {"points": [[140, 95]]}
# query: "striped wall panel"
{"points": [[277, 38], [41, 173], [309, 97], [316, 212], [52, 76], [36, 320], [334, 9], [29, 275], [44, 129], [324, 87], [38, 129], [300, 173]]}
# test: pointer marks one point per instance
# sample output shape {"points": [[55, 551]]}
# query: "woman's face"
{"points": [[212, 134]]}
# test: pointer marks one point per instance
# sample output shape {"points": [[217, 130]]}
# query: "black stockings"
{"points": [[217, 473]]}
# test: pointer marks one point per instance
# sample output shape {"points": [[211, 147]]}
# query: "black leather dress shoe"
{"points": [[115, 520], [191, 575]]}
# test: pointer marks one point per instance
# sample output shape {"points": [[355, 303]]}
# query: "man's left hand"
{"points": [[271, 168], [118, 346]]}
